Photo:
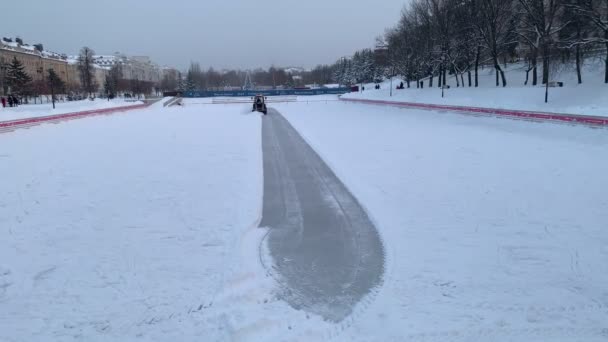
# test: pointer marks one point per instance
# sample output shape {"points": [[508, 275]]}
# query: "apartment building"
{"points": [[35, 59]]}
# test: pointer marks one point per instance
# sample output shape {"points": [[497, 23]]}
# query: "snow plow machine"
{"points": [[259, 104]]}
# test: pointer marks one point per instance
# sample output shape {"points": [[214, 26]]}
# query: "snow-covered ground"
{"points": [[36, 110], [121, 228], [588, 98], [495, 228], [143, 227]]}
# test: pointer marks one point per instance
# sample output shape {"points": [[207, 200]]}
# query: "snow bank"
{"points": [[37, 110], [495, 229], [124, 227], [588, 98]]}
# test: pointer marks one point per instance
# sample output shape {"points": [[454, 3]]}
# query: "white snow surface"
{"points": [[143, 227], [45, 109], [495, 229], [588, 98], [121, 228]]}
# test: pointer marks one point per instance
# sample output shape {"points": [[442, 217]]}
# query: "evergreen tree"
{"points": [[181, 87], [17, 78], [190, 81]]}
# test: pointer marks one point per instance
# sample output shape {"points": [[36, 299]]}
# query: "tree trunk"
{"points": [[53, 94], [477, 56], [534, 69], [470, 81], [408, 82], [445, 78], [499, 71], [545, 63], [431, 81], [606, 71], [440, 84], [462, 79], [457, 80], [578, 64]]}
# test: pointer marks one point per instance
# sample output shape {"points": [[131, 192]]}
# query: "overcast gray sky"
{"points": [[219, 33]]}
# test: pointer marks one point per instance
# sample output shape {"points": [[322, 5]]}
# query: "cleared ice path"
{"points": [[326, 252]]}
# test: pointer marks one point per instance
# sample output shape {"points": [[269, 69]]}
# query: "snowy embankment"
{"points": [[588, 98], [495, 229], [38, 110], [124, 227]]}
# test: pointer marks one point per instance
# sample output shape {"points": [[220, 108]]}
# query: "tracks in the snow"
{"points": [[327, 254]]}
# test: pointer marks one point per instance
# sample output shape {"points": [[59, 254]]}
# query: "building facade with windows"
{"points": [[36, 61], [140, 68]]}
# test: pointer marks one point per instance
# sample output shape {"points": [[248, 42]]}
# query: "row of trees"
{"points": [[362, 67], [115, 84], [436, 37], [211, 79]]}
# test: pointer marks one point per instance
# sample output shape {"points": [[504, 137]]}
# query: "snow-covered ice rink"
{"points": [[143, 226], [495, 228]]}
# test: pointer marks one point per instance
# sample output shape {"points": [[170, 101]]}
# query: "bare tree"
{"points": [[496, 26], [596, 12], [86, 69], [540, 26], [576, 34], [55, 84]]}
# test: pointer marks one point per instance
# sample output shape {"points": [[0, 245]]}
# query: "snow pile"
{"points": [[37, 110], [588, 98], [495, 229]]}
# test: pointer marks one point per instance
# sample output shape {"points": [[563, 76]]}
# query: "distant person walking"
{"points": [[3, 102], [10, 101], [15, 101]]}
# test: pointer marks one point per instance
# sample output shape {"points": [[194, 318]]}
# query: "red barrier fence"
{"points": [[572, 118], [60, 117]]}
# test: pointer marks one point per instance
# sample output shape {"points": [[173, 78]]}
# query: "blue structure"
{"points": [[249, 93]]}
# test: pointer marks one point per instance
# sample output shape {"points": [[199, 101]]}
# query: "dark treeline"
{"points": [[273, 77], [211, 79]]}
